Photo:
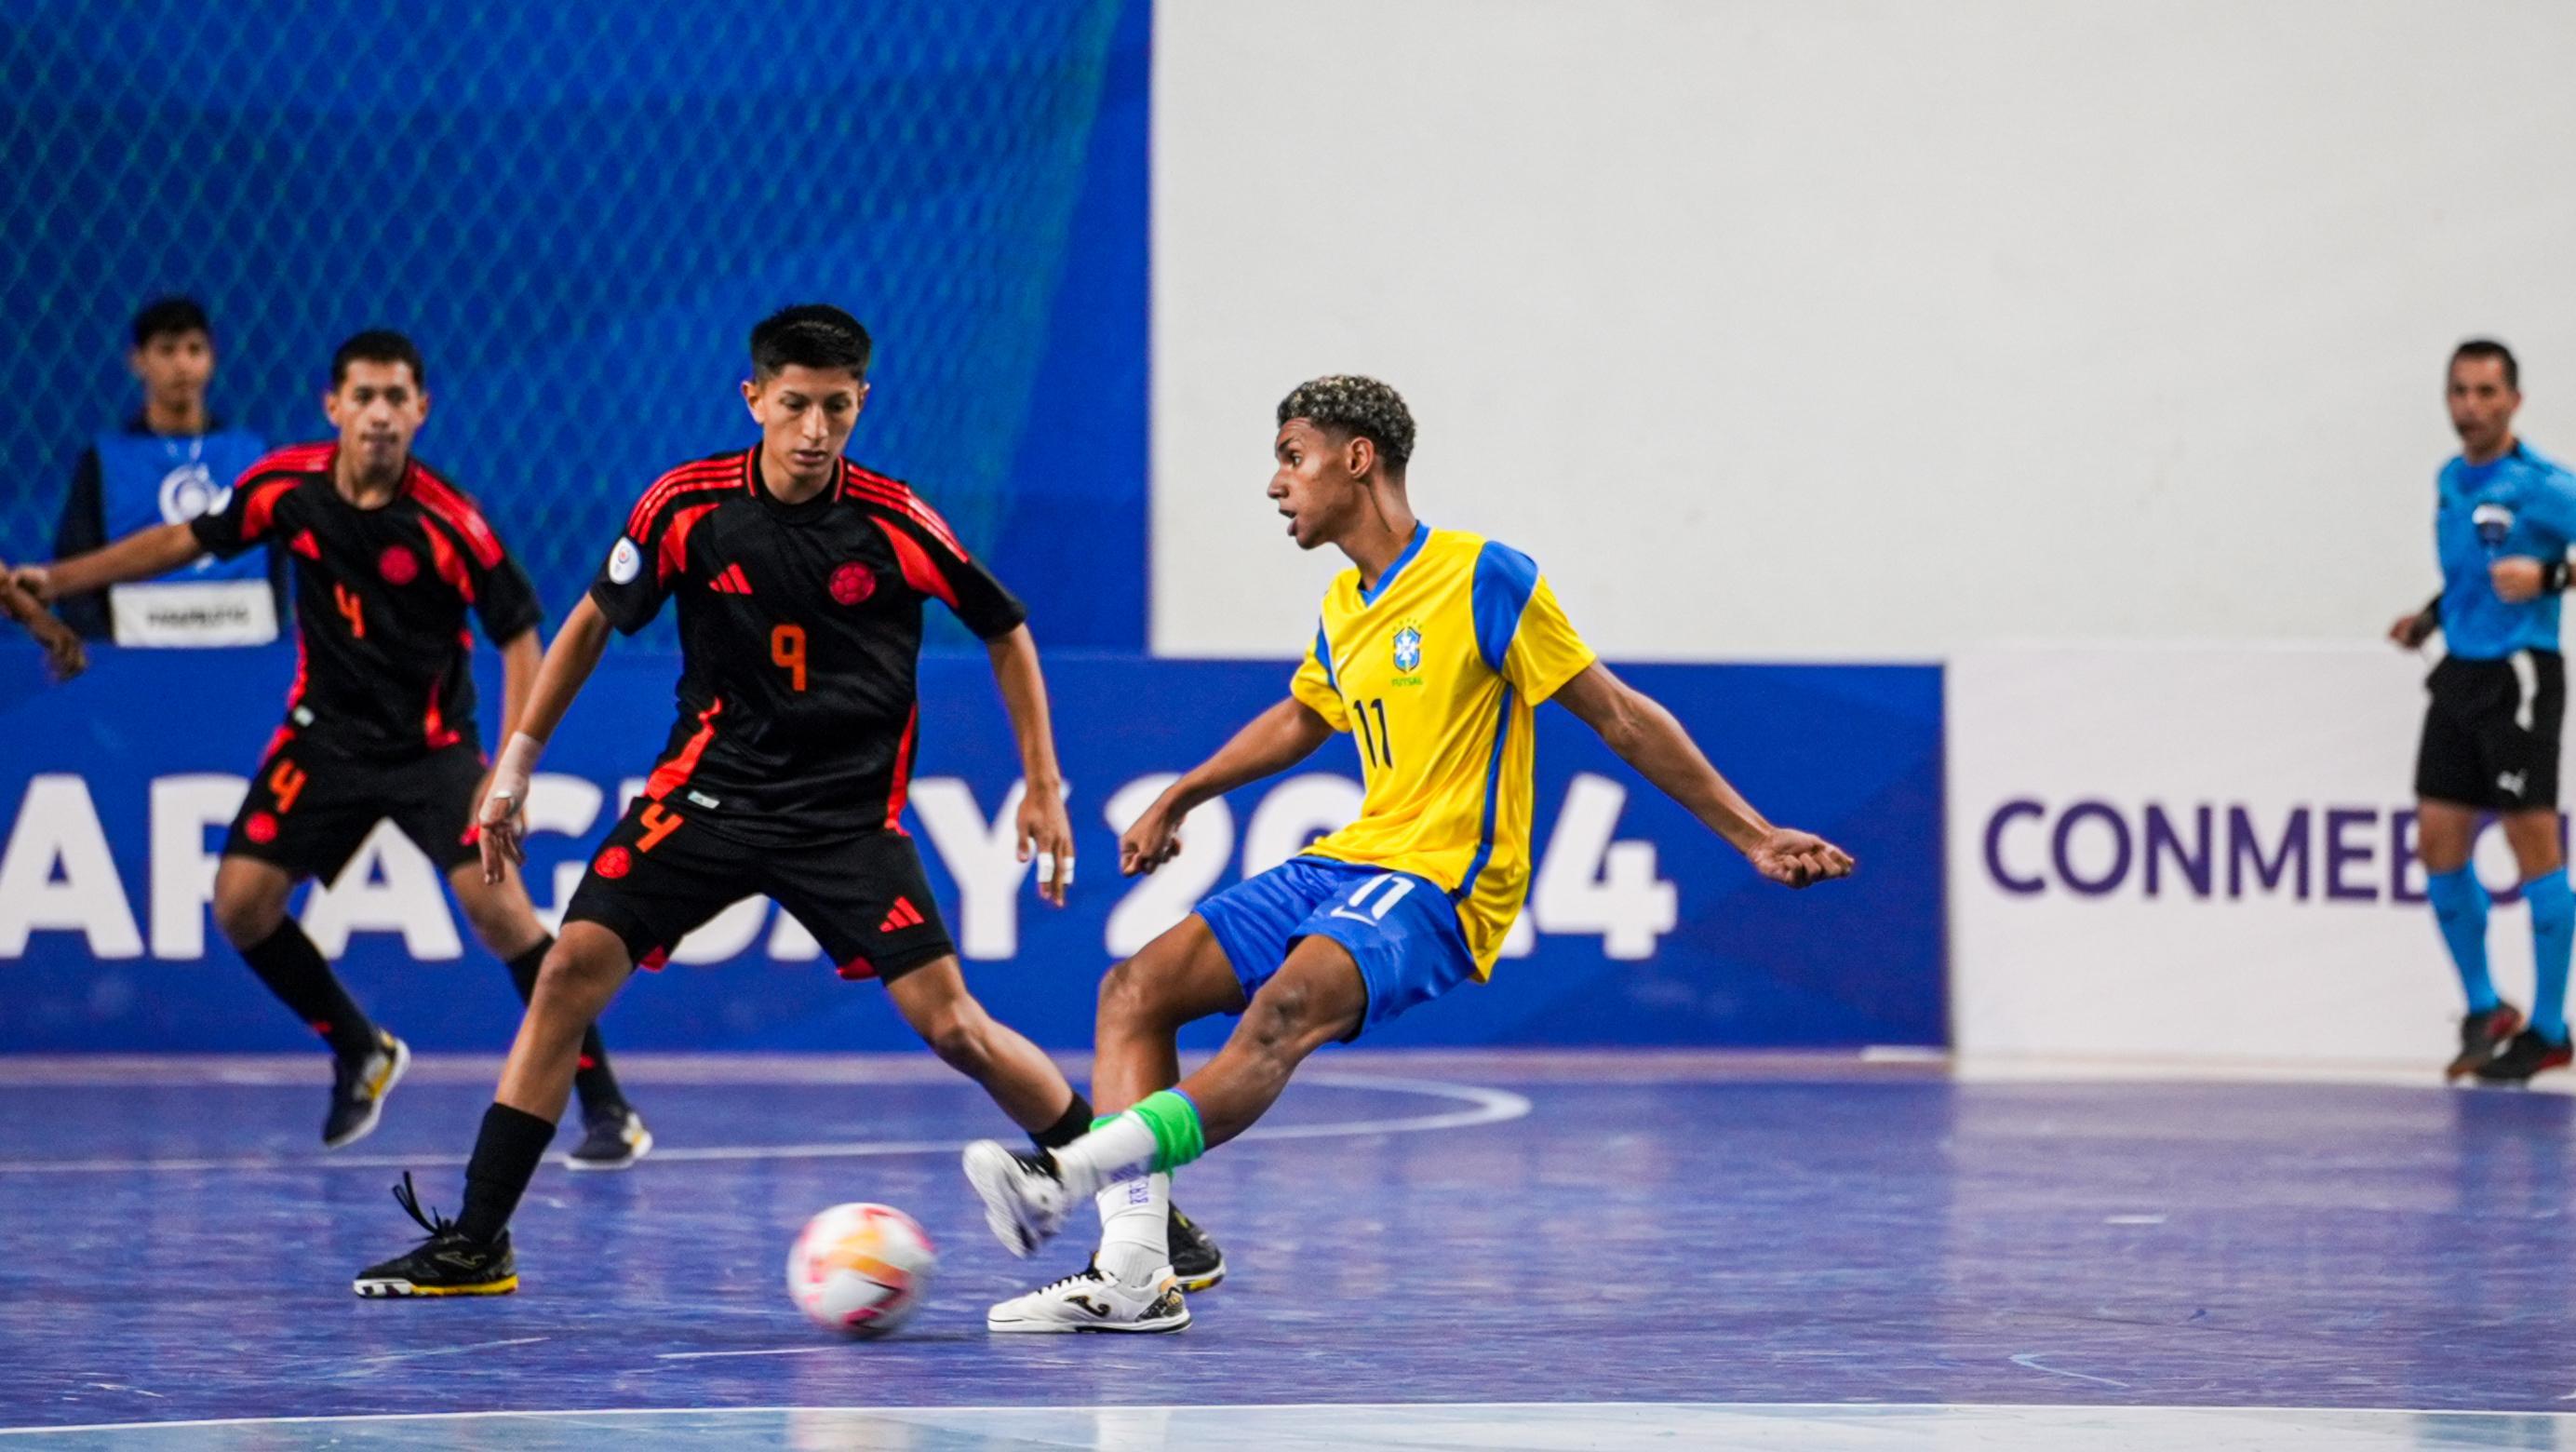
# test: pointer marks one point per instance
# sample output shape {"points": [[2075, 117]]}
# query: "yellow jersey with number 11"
{"points": [[1434, 671]]}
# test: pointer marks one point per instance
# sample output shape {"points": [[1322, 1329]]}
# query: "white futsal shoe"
{"points": [[1024, 1202], [1091, 1301]]}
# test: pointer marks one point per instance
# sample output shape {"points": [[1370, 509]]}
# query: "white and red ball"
{"points": [[860, 1268]]}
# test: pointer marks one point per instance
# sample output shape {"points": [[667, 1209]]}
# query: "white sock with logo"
{"points": [[1135, 1229], [1122, 1148]]}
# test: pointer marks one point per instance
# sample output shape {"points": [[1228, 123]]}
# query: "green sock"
{"points": [[1178, 1136], [1161, 1134]]}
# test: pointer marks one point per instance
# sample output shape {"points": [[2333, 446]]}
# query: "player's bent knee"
{"points": [[247, 919], [1173, 982], [1128, 998], [1281, 1022], [500, 933], [581, 972], [499, 913]]}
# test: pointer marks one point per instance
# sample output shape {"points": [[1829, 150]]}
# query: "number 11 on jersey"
{"points": [[1379, 746]]}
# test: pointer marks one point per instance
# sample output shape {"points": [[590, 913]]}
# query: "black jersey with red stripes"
{"points": [[381, 594], [800, 631]]}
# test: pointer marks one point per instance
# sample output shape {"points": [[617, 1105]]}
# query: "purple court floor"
{"points": [[1696, 1250]]}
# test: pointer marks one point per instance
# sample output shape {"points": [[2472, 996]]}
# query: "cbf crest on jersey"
{"points": [[1408, 647]]}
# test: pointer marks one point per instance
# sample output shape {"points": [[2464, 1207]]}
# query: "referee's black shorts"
{"points": [[2491, 731]]}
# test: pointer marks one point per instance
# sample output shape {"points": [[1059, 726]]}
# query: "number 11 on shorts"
{"points": [[1396, 887]]}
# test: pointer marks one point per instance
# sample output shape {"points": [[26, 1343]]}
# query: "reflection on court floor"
{"points": [[1686, 1250], [1568, 1427]]}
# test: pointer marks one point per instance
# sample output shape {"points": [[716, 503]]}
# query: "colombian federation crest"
{"points": [[1408, 647]]}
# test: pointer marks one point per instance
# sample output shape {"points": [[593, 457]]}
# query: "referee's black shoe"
{"points": [[1196, 1262], [2483, 1035], [2527, 1055], [446, 1264]]}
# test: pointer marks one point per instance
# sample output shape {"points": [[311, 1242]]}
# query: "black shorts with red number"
{"points": [[660, 875], [309, 807], [2491, 732]]}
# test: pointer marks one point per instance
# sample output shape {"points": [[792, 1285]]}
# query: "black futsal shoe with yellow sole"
{"points": [[446, 1264], [1196, 1261], [358, 1090]]}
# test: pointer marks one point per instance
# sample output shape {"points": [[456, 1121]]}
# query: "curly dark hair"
{"points": [[1356, 407]]}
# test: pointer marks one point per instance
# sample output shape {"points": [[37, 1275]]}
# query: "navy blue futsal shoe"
{"points": [[612, 1140]]}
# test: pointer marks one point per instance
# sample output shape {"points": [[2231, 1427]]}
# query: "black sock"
{"points": [[1072, 1125], [506, 1153], [593, 1081], [294, 970]]}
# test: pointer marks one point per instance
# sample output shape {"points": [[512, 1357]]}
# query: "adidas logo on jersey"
{"points": [[730, 581], [904, 915]]}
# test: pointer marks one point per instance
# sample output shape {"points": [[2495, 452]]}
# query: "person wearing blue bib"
{"points": [[169, 464], [2503, 519]]}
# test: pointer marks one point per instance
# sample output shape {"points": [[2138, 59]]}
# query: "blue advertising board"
{"points": [[1643, 928]]}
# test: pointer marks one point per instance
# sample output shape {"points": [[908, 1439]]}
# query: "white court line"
{"points": [[2363, 1073], [1875, 1064], [2029, 1361], [391, 1358], [771, 1351], [1484, 1106], [2562, 1418]]}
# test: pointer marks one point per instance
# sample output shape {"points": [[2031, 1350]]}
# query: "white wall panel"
{"points": [[1860, 330]]}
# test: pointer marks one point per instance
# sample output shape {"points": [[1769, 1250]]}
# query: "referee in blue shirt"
{"points": [[2502, 522]]}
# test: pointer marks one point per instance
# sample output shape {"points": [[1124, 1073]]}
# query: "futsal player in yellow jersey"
{"points": [[1432, 651]]}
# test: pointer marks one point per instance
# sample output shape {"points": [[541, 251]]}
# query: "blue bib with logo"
{"points": [[154, 479]]}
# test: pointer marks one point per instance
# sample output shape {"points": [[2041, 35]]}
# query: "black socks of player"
{"points": [[506, 1153], [1072, 1125], [294, 970], [593, 1081]]}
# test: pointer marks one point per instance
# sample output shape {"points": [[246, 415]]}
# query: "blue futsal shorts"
{"points": [[1400, 929]]}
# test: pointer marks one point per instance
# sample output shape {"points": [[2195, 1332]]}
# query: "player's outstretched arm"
{"points": [[568, 663], [1044, 828], [1648, 738], [65, 656], [139, 556], [522, 656], [1272, 742]]}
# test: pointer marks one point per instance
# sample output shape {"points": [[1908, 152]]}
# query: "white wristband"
{"points": [[517, 764]]}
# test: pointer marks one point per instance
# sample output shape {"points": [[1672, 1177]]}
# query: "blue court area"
{"points": [[1427, 1250]]}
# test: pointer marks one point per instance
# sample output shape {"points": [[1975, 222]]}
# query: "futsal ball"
{"points": [[860, 1268]]}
